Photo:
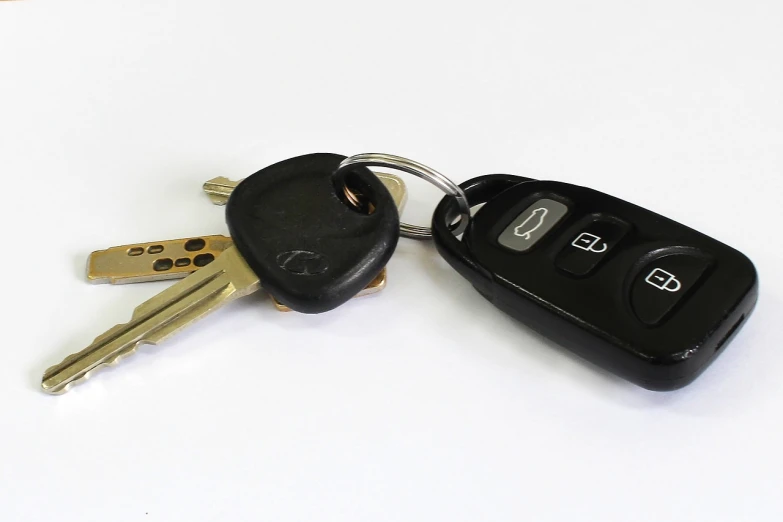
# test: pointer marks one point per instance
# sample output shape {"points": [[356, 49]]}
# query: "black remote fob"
{"points": [[647, 298]]}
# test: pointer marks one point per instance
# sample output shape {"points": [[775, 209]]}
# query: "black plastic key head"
{"points": [[312, 249], [628, 289]]}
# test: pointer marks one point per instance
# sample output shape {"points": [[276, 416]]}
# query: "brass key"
{"points": [[172, 259]]}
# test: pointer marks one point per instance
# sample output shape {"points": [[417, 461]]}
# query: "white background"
{"points": [[424, 403]]}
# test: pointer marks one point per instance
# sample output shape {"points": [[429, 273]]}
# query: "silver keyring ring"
{"points": [[423, 172]]}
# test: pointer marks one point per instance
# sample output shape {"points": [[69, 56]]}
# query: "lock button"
{"points": [[591, 244], [664, 283]]}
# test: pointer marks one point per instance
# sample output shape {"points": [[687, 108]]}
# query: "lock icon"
{"points": [[663, 280]]}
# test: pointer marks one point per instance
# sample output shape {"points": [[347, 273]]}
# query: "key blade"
{"points": [[226, 279], [156, 261], [219, 189]]}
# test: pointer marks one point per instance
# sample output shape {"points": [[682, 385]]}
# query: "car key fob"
{"points": [[636, 293]]}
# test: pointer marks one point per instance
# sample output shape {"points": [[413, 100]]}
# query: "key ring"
{"points": [[423, 172]]}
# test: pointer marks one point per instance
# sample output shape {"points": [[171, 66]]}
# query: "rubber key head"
{"points": [[312, 249]]}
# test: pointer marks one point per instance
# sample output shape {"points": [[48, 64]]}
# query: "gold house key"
{"points": [[313, 257], [173, 259]]}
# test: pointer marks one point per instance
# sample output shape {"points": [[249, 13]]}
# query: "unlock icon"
{"points": [[590, 243]]}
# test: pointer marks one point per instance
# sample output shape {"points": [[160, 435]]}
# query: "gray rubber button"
{"points": [[532, 225]]}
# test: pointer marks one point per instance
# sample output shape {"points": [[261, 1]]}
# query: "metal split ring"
{"points": [[424, 172]]}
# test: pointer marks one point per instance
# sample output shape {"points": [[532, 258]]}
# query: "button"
{"points": [[590, 245], [532, 224], [663, 283]]}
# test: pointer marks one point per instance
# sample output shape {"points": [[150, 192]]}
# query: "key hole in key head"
{"points": [[194, 245], [162, 265], [203, 260], [355, 193]]}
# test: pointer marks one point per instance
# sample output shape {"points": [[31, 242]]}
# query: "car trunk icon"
{"points": [[532, 223]]}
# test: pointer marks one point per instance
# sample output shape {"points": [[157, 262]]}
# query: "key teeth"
{"points": [[137, 312], [84, 376]]}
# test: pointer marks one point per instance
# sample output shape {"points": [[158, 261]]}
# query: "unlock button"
{"points": [[591, 244], [664, 283]]}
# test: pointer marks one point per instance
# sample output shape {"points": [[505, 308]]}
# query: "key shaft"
{"points": [[219, 189], [226, 279]]}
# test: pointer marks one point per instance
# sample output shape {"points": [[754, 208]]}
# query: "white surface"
{"points": [[424, 403]]}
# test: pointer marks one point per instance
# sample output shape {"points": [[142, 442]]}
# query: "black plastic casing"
{"points": [[592, 315], [311, 249]]}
